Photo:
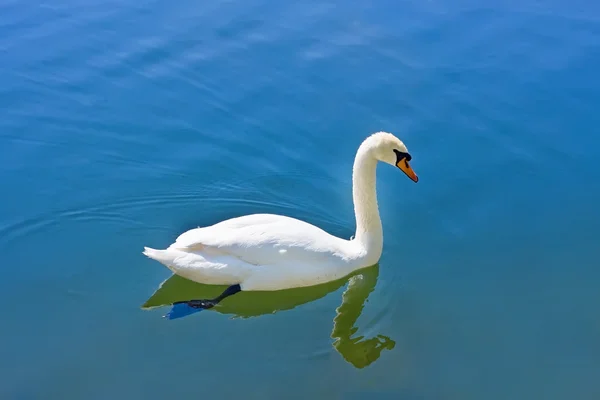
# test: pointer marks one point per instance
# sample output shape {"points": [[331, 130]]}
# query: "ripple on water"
{"points": [[212, 196]]}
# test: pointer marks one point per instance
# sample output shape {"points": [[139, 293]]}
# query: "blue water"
{"points": [[122, 124]]}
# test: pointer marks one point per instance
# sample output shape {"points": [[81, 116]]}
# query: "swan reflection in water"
{"points": [[358, 351]]}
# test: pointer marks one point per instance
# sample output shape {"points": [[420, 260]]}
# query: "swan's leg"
{"points": [[184, 308], [205, 304]]}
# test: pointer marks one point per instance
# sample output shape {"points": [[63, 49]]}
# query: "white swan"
{"points": [[275, 252]]}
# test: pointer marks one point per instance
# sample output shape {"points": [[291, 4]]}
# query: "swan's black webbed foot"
{"points": [[203, 304], [184, 308]]}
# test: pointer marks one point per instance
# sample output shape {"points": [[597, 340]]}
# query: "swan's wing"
{"points": [[266, 239]]}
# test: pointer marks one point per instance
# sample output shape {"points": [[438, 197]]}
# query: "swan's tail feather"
{"points": [[192, 266], [163, 256], [180, 310]]}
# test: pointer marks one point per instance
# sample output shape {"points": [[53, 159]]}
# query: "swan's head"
{"points": [[389, 149]]}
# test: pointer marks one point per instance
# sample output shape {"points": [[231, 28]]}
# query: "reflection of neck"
{"points": [[369, 232], [359, 351]]}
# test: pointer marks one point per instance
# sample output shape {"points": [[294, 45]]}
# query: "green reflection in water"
{"points": [[358, 351]]}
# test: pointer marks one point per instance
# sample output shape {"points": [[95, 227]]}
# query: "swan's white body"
{"points": [[275, 252]]}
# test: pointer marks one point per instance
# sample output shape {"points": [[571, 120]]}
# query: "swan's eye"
{"points": [[400, 156]]}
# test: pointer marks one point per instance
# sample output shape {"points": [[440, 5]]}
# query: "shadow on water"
{"points": [[358, 351]]}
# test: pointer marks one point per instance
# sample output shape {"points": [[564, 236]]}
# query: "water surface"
{"points": [[123, 124]]}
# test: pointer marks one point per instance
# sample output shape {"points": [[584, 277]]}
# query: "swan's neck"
{"points": [[369, 232]]}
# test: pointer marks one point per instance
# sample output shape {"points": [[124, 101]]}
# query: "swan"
{"points": [[266, 252]]}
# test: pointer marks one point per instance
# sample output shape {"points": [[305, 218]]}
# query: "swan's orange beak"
{"points": [[403, 165]]}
